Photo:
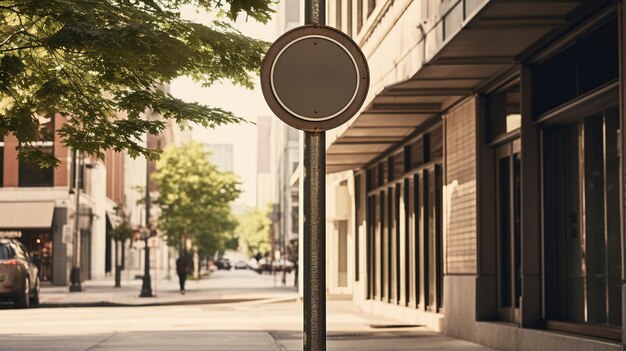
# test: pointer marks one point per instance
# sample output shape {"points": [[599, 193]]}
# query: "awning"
{"points": [[26, 215], [490, 42]]}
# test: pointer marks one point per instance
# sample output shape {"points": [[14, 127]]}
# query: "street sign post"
{"points": [[314, 78]]}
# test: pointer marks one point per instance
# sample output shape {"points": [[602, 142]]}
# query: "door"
{"points": [[509, 229]]}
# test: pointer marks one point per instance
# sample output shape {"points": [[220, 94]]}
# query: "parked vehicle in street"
{"points": [[224, 263], [241, 265], [19, 276]]}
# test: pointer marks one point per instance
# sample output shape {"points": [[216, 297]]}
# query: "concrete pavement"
{"points": [[270, 322], [220, 287]]}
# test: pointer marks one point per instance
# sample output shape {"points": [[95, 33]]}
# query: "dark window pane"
{"points": [[383, 173], [517, 226], [6, 252], [504, 232], [435, 145], [398, 165], [432, 248], [417, 153], [554, 81], [31, 175], [372, 178], [599, 59]]}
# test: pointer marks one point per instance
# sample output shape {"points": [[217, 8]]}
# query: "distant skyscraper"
{"points": [[264, 193], [221, 156]]}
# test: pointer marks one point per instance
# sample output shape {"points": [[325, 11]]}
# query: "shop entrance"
{"points": [[39, 246]]}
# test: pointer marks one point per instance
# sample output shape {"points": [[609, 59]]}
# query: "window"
{"points": [[31, 174], [508, 177], [586, 64], [582, 226], [404, 226], [6, 252]]}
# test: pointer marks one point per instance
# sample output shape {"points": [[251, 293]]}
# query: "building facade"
{"points": [[39, 205], [480, 189]]}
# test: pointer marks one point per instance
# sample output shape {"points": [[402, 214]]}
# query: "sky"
{"points": [[241, 101]]}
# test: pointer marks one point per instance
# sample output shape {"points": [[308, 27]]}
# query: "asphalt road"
{"points": [[252, 325]]}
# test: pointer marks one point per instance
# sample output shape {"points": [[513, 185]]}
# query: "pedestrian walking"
{"points": [[182, 267]]}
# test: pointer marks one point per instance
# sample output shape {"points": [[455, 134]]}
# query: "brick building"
{"points": [[478, 191], [39, 205]]}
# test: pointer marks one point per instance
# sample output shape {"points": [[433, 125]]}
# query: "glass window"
{"points": [[435, 146], [417, 153], [6, 252], [554, 81], [31, 174], [582, 221], [586, 64], [598, 59]]}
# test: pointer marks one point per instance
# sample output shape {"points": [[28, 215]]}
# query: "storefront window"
{"points": [[582, 228], [406, 211]]}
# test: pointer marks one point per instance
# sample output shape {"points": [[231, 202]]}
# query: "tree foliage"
{"points": [[123, 231], [88, 59], [253, 231], [195, 198]]}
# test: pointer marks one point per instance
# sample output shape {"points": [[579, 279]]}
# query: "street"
{"points": [[270, 323]]}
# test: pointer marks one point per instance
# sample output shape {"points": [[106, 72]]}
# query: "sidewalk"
{"points": [[208, 290]]}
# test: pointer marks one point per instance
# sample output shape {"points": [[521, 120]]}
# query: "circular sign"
{"points": [[314, 78]]}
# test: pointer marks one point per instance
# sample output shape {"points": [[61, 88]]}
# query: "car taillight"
{"points": [[12, 262]]}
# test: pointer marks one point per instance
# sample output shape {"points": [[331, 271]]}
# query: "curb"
{"points": [[163, 303]]}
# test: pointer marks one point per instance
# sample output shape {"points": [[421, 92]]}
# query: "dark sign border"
{"points": [[321, 31]]}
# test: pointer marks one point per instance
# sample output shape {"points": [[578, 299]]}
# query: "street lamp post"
{"points": [[75, 285], [146, 287]]}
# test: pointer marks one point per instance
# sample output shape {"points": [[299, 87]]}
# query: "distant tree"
{"points": [[87, 60], [122, 232], [253, 231], [195, 199]]}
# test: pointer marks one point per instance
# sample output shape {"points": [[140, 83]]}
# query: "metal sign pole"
{"points": [[314, 241]]}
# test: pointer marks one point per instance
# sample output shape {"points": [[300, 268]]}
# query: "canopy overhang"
{"points": [[489, 44], [26, 215]]}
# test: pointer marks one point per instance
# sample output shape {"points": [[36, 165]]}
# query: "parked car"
{"points": [[241, 265], [262, 266], [224, 263], [19, 276]]}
